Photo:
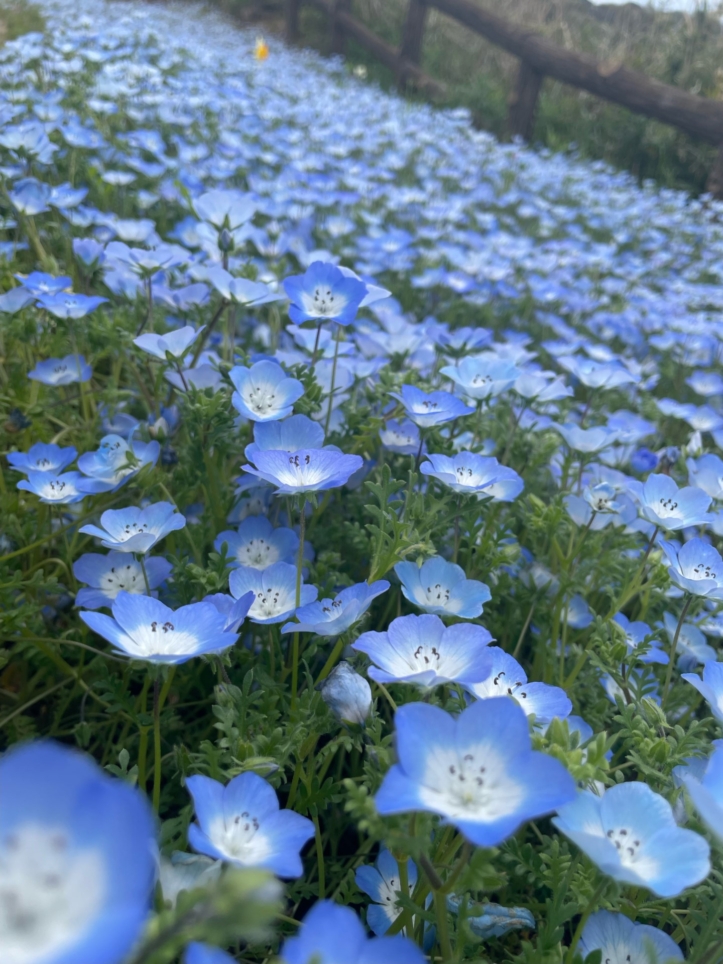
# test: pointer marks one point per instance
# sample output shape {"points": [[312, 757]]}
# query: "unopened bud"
{"points": [[225, 240], [347, 694], [159, 429]]}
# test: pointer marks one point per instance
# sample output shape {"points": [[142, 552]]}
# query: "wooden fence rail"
{"points": [[700, 117]]}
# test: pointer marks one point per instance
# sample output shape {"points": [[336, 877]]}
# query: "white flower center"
{"points": [[473, 785], [667, 508], [258, 554], [49, 893], [126, 578], [626, 844], [241, 838], [260, 399], [57, 490], [270, 602], [437, 595]]}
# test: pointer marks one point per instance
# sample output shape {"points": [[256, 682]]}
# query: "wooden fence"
{"points": [[699, 117]]}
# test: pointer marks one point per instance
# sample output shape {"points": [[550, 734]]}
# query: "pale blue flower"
{"points": [[587, 440], [241, 824], [175, 343], [381, 883], [53, 487], [483, 376], [441, 587], [42, 457], [710, 686], [107, 575], [635, 634], [428, 410], [134, 529], [706, 791], [347, 694], [241, 291], [631, 834], [115, 462], [264, 392], [696, 568], [665, 505], [307, 470], [324, 292], [692, 648], [258, 544], [67, 304], [400, 437], [621, 939], [290, 435], [507, 678], [331, 617], [274, 591], [61, 371], [464, 472], [197, 953]]}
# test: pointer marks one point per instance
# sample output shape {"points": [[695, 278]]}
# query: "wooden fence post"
{"points": [[338, 35], [523, 101], [292, 20], [412, 37]]}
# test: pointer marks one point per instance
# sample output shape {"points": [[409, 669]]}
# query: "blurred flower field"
{"points": [[360, 511]]}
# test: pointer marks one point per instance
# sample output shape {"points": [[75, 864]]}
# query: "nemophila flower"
{"points": [[587, 440], [224, 208], [423, 651], [67, 304], [41, 283], [631, 834], [542, 386], [258, 544], [242, 291], [665, 505], [115, 462], [506, 486], [15, 300], [134, 529], [706, 791], [322, 293], [381, 883], [233, 610], [696, 567], [52, 487], [635, 635], [76, 859], [706, 473], [241, 824], [199, 377], [30, 196], [143, 628], [264, 392], [464, 472], [186, 872], [145, 262], [400, 437], [347, 694], [507, 678], [89, 251], [705, 383], [43, 457], [692, 648], [307, 470], [622, 940], [197, 953], [602, 497], [428, 410], [175, 343], [290, 435], [331, 617], [710, 686], [576, 612], [274, 591], [330, 934], [61, 371], [476, 770], [483, 376], [597, 374], [107, 575], [441, 587]]}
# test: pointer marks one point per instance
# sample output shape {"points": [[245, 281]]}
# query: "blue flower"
{"points": [[707, 791], [506, 486], [330, 934], [61, 371], [381, 883], [621, 939], [635, 634], [184, 871], [66, 304], [331, 617], [225, 208], [89, 251], [400, 437], [587, 440], [428, 410], [347, 694], [307, 470], [692, 647], [197, 953], [274, 591], [476, 770], [175, 343], [507, 678], [242, 291], [464, 472], [696, 568], [667, 506], [134, 529], [54, 488], [483, 376], [242, 825], [324, 292], [115, 462], [15, 300], [542, 386], [258, 545], [597, 374], [707, 474], [30, 196], [143, 628], [42, 458], [422, 650], [77, 852], [441, 587], [631, 834], [264, 392], [710, 686], [290, 435], [113, 573]]}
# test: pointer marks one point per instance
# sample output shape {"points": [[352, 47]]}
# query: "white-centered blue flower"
{"points": [[331, 617], [115, 462], [67, 304], [264, 392], [225, 208], [706, 473], [257, 544], [134, 529], [175, 343], [400, 437], [622, 941], [441, 587], [241, 824], [635, 634], [143, 628], [586, 440], [54, 488], [477, 770], [61, 371], [324, 292], [107, 575], [483, 376], [427, 410], [696, 567], [347, 694], [710, 686], [692, 648], [507, 678], [631, 834], [241, 291], [464, 472], [293, 434], [381, 882], [307, 470], [665, 505], [43, 457], [274, 591], [706, 791], [76, 859], [423, 651]]}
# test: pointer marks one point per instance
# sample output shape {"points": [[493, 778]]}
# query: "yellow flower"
{"points": [[261, 50]]}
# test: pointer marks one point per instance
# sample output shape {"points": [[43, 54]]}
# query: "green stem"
{"points": [[331, 661], [440, 909], [295, 645], [673, 648], [143, 745], [320, 858], [406, 913], [333, 379], [160, 695], [139, 557], [592, 904]]}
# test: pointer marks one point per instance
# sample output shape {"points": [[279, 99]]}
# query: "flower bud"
{"points": [[225, 240], [347, 694]]}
